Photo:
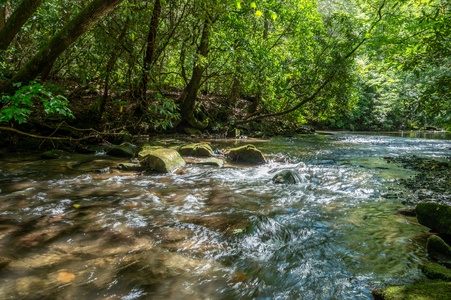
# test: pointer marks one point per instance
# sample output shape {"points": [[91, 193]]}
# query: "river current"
{"points": [[68, 231]]}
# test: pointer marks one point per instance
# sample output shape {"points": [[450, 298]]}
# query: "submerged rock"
{"points": [[131, 167], [246, 154], [164, 160], [210, 161], [55, 153], [123, 150], [197, 150], [435, 216], [436, 271], [286, 177], [439, 250]]}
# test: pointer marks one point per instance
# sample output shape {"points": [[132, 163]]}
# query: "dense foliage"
{"points": [[350, 64]]}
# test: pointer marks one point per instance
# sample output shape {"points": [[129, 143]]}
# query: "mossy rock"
{"points": [[435, 216], [246, 154], [123, 150], [436, 271], [426, 291], [55, 153], [165, 160], [439, 250], [146, 150], [196, 150]]}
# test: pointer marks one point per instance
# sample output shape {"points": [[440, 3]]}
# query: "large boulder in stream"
{"points": [[146, 150], [435, 216], [164, 160], [248, 154], [196, 150]]}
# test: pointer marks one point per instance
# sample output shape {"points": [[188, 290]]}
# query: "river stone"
{"points": [[286, 177], [55, 153], [123, 150], [436, 271], [197, 150], [425, 291], [439, 250], [210, 161], [4, 262], [246, 154], [165, 160], [146, 150], [435, 216]]}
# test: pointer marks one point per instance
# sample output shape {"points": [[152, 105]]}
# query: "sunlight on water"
{"points": [[214, 233]]}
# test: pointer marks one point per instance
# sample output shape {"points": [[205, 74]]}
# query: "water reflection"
{"points": [[213, 233]]}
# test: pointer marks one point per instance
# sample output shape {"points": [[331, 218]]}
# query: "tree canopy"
{"points": [[215, 65]]}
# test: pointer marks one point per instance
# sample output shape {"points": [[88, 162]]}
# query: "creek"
{"points": [[68, 231]]}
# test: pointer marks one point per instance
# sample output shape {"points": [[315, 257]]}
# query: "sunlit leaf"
{"points": [[274, 16], [238, 4]]}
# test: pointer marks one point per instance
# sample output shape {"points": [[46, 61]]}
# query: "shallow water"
{"points": [[69, 232]]}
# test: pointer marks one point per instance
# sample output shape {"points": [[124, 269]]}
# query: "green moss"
{"points": [[427, 291], [436, 271]]}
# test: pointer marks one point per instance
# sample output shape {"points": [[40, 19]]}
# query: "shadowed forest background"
{"points": [[221, 66]]}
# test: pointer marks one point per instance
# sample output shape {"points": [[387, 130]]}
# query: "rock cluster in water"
{"points": [[170, 159], [431, 192]]}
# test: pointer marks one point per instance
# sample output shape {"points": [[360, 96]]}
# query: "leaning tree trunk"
{"points": [[110, 65], [189, 95], [82, 22], [16, 21], [150, 52]]}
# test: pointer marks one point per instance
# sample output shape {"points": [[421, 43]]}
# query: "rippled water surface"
{"points": [[69, 232]]}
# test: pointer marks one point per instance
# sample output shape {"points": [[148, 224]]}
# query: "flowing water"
{"points": [[69, 232]]}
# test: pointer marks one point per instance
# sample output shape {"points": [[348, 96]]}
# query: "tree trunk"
{"points": [[150, 52], [2, 16], [84, 21], [16, 21], [110, 65], [189, 94]]}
